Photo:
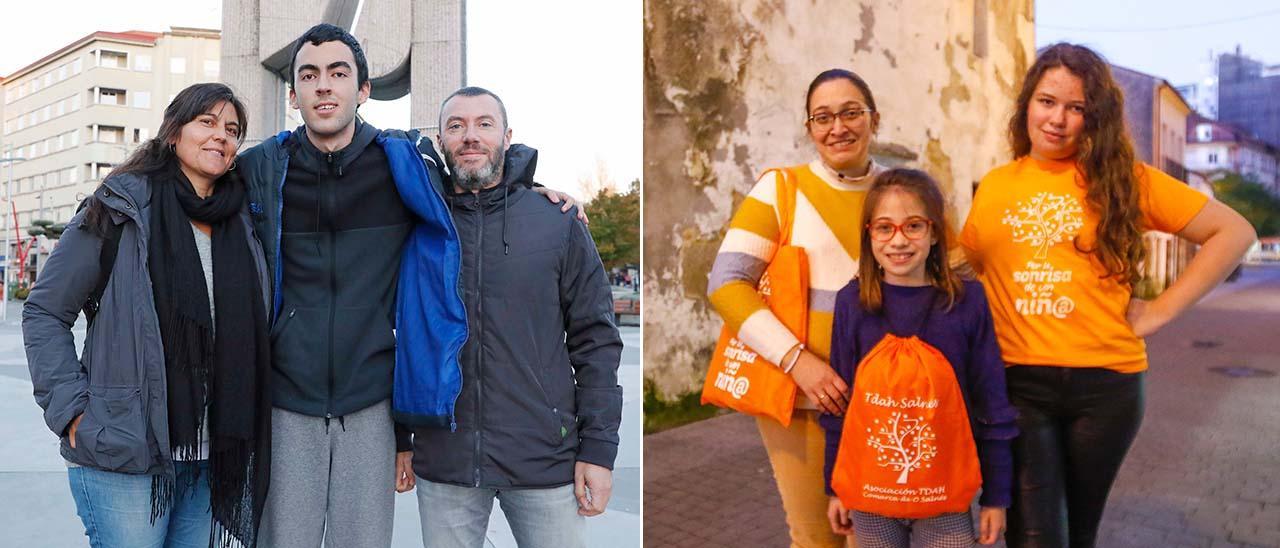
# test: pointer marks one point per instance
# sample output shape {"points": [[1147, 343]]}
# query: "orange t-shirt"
{"points": [[1048, 301]]}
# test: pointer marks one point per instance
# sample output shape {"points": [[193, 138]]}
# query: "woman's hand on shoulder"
{"points": [[820, 383]]}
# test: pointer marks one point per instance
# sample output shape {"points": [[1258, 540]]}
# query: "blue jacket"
{"points": [[430, 319]]}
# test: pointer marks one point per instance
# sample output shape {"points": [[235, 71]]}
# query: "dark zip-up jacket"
{"points": [[118, 383], [539, 370], [333, 225]]}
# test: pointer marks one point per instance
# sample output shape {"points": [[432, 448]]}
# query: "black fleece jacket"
{"points": [[343, 227]]}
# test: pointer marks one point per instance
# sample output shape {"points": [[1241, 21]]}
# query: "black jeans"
{"points": [[1076, 426]]}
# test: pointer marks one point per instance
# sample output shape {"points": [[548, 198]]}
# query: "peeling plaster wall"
{"points": [[724, 100]]}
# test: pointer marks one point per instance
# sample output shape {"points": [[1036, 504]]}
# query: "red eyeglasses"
{"points": [[913, 228]]}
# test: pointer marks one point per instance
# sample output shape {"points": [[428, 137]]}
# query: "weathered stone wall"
{"points": [[724, 99]]}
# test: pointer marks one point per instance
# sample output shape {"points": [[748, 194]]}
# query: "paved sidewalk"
{"points": [[36, 509], [1204, 471]]}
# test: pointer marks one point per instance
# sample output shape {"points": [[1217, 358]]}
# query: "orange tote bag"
{"points": [[907, 449], [738, 378]]}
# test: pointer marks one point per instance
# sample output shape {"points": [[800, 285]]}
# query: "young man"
{"points": [[538, 407], [326, 204]]}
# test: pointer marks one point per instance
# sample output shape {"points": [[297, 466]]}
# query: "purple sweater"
{"points": [[966, 337]]}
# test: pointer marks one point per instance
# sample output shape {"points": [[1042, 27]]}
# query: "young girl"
{"points": [[906, 288]]}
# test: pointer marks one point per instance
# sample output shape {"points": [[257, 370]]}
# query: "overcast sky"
{"points": [[1167, 38], [569, 71]]}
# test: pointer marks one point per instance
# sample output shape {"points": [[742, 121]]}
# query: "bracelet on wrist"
{"points": [[799, 348]]}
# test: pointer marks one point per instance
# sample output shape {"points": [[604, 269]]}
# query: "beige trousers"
{"points": [[796, 454]]}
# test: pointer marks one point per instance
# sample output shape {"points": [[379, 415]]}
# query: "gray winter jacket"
{"points": [[119, 381], [540, 366]]}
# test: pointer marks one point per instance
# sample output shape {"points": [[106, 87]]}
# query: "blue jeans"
{"points": [[457, 517], [116, 508]]}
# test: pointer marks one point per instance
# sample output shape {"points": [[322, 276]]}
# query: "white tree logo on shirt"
{"points": [[1042, 222], [1045, 220]]}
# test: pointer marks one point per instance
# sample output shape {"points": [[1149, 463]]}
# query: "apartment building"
{"points": [[74, 114]]}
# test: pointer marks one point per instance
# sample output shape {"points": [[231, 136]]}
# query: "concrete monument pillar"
{"points": [[414, 47]]}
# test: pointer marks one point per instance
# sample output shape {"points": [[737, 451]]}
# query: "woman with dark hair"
{"points": [[841, 119], [1056, 237], [164, 419]]}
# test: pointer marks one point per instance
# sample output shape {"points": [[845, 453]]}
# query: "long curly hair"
{"points": [[1105, 158]]}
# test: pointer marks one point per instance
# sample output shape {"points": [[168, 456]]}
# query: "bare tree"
{"points": [[600, 180]]}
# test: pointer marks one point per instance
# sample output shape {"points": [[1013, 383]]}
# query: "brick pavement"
{"points": [[1204, 471]]}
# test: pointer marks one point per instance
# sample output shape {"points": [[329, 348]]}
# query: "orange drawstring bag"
{"points": [[738, 378], [907, 448]]}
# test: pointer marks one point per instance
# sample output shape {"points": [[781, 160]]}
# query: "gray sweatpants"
{"points": [[340, 479]]}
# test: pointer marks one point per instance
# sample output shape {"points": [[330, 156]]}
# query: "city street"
{"points": [[36, 509], [1203, 472]]}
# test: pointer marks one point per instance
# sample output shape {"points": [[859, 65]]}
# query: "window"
{"points": [[45, 112], [142, 63], [73, 175], [75, 102], [144, 134], [108, 96], [60, 108], [103, 170], [142, 99], [62, 73], [178, 65], [22, 121], [110, 134], [211, 68], [48, 79], [137, 135], [62, 142], [1213, 158], [1204, 132], [44, 147], [75, 137], [114, 59], [77, 65], [8, 126]]}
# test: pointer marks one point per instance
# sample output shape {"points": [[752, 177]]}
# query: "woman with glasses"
{"points": [[1056, 237], [164, 419], [841, 119]]}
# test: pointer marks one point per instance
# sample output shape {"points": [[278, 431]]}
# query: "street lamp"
{"points": [[8, 242]]}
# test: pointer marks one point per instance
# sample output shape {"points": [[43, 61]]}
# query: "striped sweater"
{"points": [[827, 224]]}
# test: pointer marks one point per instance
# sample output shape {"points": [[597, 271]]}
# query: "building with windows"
{"points": [[1216, 147], [1156, 116], [77, 112], [1249, 95]]}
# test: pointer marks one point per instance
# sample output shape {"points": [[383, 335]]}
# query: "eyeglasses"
{"points": [[914, 228], [824, 120]]}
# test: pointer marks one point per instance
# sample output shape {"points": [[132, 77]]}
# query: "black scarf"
{"points": [[220, 369]]}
